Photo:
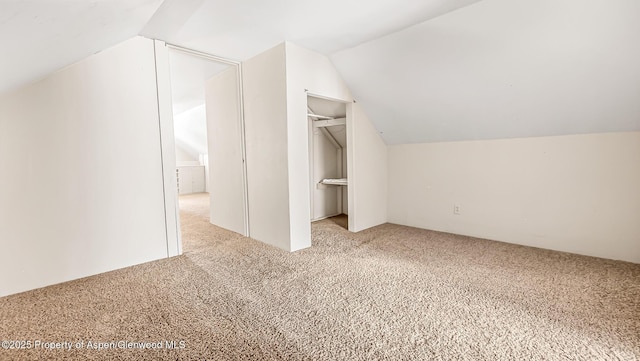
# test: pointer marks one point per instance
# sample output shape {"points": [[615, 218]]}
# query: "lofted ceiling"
{"points": [[242, 29], [422, 71], [503, 69], [190, 132], [39, 37], [188, 76]]}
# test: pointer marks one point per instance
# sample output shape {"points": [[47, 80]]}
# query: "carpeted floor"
{"points": [[388, 293]]}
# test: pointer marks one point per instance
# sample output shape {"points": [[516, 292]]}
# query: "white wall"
{"points": [[367, 172], [312, 72], [277, 141], [265, 110], [575, 193], [184, 157], [345, 192], [82, 185], [326, 159], [190, 131], [225, 149]]}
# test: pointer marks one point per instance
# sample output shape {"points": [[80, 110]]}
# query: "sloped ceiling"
{"points": [[240, 30], [188, 77], [190, 131], [40, 36], [503, 69], [422, 71]]}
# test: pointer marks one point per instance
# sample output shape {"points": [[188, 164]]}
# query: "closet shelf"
{"points": [[335, 181]]}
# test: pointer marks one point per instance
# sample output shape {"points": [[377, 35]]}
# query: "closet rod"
{"points": [[322, 117], [329, 122]]}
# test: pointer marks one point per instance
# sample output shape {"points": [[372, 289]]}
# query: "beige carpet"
{"points": [[388, 293]]}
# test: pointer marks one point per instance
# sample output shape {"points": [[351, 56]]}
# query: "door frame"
{"points": [[165, 113]]}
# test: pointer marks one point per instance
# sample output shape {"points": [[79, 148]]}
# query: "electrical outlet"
{"points": [[456, 209]]}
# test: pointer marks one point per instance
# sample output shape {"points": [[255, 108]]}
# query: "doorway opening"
{"points": [[195, 107]]}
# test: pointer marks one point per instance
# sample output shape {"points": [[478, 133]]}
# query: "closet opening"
{"points": [[328, 160]]}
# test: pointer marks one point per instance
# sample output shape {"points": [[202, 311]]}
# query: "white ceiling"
{"points": [[190, 132], [188, 76], [503, 69], [422, 72], [241, 29], [41, 36]]}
